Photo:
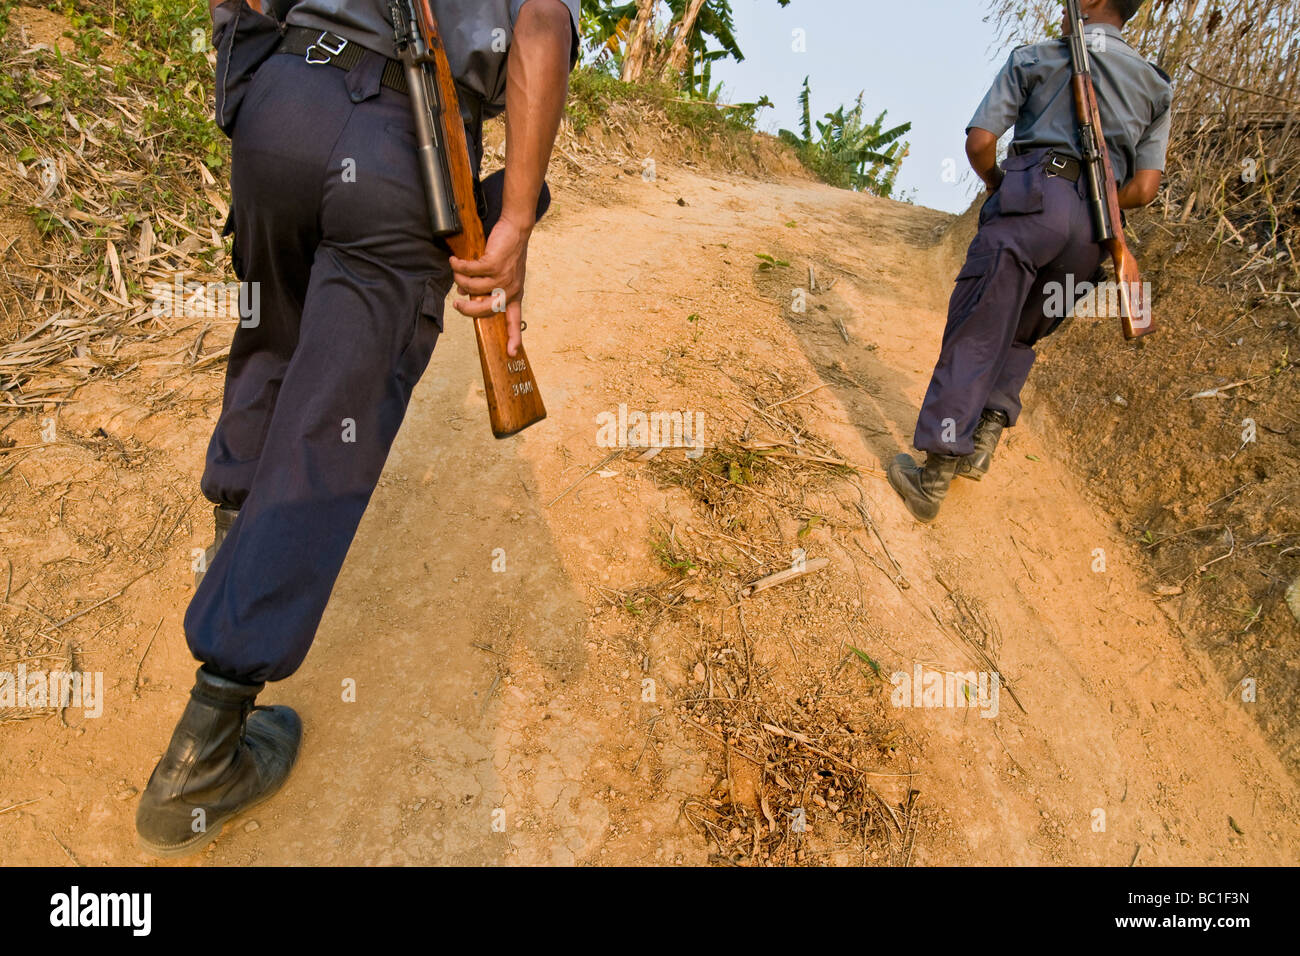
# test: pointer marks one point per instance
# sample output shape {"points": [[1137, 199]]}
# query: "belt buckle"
{"points": [[322, 42], [1055, 164]]}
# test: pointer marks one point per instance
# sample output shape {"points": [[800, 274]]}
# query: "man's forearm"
{"points": [[1129, 197], [1141, 189], [537, 80], [982, 152]]}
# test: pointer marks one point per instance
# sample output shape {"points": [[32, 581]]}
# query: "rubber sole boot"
{"points": [[226, 756], [223, 518], [923, 487], [987, 433]]}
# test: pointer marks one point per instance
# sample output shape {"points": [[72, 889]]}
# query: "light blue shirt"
{"points": [[1033, 92]]}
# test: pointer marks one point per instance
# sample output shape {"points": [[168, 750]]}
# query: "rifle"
{"points": [[1103, 193], [513, 400]]}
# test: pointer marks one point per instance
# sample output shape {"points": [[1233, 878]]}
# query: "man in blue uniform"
{"points": [[1035, 236], [330, 222]]}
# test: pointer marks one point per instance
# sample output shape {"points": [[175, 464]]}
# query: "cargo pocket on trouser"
{"points": [[971, 281], [243, 42], [426, 328]]}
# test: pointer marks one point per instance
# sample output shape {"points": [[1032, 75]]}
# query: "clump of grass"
{"points": [[717, 476], [671, 555]]}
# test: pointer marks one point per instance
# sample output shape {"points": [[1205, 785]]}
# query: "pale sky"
{"points": [[925, 61]]}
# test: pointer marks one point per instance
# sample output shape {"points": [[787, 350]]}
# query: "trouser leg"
{"points": [[275, 201], [369, 320], [340, 405], [1004, 396], [260, 352], [1044, 310], [995, 313], [981, 328]]}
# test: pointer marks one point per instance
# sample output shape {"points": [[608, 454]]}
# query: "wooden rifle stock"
{"points": [[514, 401], [1108, 221]]}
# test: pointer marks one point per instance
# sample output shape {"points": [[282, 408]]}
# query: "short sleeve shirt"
{"points": [[1032, 93], [475, 33]]}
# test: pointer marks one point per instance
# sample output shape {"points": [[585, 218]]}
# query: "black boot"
{"points": [[976, 465], [225, 756], [923, 487], [224, 518]]}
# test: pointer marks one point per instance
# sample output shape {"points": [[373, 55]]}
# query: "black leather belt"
{"points": [[1058, 164], [316, 46]]}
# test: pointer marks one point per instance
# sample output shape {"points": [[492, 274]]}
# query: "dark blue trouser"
{"points": [[1035, 241], [330, 222]]}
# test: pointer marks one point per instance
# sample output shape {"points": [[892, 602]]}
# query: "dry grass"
{"points": [[798, 723], [102, 198]]}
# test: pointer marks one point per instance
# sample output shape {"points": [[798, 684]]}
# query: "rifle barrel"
{"points": [[426, 109]]}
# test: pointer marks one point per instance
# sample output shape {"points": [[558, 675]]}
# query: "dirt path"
{"points": [[500, 711]]}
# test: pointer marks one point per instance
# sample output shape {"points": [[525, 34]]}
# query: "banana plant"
{"points": [[846, 151]]}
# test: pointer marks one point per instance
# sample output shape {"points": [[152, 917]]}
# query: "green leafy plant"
{"points": [[847, 151]]}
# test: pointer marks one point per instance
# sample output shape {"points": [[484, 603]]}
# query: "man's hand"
{"points": [[982, 151], [537, 80], [498, 275]]}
